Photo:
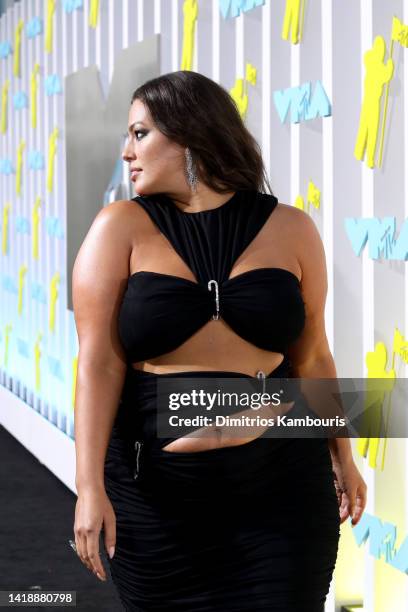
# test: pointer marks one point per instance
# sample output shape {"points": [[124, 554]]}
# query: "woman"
{"points": [[202, 274]]}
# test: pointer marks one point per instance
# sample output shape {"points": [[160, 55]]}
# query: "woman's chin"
{"points": [[140, 189], [140, 192]]}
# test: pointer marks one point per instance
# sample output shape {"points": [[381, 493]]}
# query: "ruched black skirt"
{"points": [[244, 528]]}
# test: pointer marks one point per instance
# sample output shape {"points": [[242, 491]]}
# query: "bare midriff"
{"points": [[217, 344]]}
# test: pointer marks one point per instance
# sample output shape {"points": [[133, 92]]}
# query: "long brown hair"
{"points": [[196, 112]]}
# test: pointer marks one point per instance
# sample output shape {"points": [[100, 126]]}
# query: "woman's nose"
{"points": [[126, 151], [126, 154]]}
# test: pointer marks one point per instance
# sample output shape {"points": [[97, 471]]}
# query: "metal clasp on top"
{"points": [[138, 448], [261, 374], [217, 299]]}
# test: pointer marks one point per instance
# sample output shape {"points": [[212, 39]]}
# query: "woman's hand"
{"points": [[351, 490], [94, 509]]}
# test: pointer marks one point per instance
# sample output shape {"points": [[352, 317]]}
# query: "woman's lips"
{"points": [[134, 174]]}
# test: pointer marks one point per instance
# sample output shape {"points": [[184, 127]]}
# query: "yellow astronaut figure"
{"points": [[52, 149], [21, 274], [190, 11], [240, 97], [49, 25], [377, 75], [37, 361], [7, 333], [93, 13], [378, 382], [17, 49], [20, 150], [291, 20], [33, 94], [4, 102], [35, 216], [54, 293], [5, 228]]}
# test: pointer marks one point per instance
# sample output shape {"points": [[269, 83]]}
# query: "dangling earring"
{"points": [[191, 172]]}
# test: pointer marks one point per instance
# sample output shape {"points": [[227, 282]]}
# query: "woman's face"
{"points": [[159, 162]]}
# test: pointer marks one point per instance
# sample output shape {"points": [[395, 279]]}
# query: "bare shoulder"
{"points": [[106, 248], [292, 215], [300, 226], [128, 218], [120, 212], [298, 230]]}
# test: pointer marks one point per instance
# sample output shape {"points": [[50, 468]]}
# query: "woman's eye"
{"points": [[125, 135]]}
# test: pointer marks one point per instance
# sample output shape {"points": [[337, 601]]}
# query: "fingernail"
{"points": [[111, 551], [100, 577]]}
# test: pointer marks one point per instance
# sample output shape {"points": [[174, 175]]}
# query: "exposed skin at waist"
{"points": [[213, 436]]}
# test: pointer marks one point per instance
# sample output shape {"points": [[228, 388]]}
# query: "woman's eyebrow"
{"points": [[134, 124]]}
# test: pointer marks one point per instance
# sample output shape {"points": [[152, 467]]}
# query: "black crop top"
{"points": [[161, 311]]}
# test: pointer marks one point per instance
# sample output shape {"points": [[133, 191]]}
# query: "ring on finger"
{"points": [[73, 545]]}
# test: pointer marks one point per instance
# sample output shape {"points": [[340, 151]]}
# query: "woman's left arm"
{"points": [[311, 357]]}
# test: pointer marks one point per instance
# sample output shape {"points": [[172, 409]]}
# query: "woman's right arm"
{"points": [[99, 278]]}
